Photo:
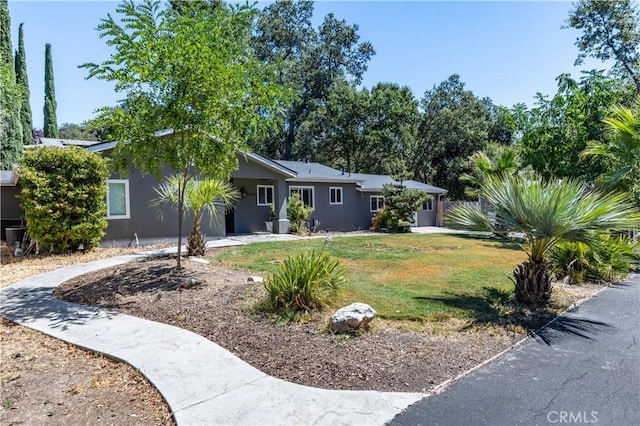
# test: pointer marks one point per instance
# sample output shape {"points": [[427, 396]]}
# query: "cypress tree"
{"points": [[50, 120], [23, 85], [10, 128]]}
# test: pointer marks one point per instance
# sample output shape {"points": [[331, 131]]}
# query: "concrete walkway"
{"points": [[202, 383]]}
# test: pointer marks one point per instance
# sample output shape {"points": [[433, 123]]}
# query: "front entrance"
{"points": [[229, 222]]}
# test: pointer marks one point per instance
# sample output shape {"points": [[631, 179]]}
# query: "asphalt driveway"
{"points": [[583, 369]]}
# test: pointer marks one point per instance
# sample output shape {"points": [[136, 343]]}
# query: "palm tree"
{"points": [[623, 150], [200, 197], [545, 213], [494, 161]]}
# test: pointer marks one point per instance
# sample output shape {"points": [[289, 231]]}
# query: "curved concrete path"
{"points": [[203, 383]]}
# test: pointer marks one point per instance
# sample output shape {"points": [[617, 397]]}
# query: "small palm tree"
{"points": [[201, 196], [496, 160], [545, 213], [623, 150]]}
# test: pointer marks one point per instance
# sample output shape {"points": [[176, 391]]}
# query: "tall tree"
{"points": [[50, 120], [310, 62], [192, 73], [23, 84], [10, 127], [77, 131], [557, 129], [610, 31], [455, 124]]}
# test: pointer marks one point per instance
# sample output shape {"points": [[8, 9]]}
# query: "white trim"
{"points": [[127, 203], [430, 203], [266, 187], [302, 188], [371, 197], [340, 191]]}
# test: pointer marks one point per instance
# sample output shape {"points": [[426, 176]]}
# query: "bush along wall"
{"points": [[64, 197]]}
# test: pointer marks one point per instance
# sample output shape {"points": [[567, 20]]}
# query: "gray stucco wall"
{"points": [[248, 215], [351, 215], [147, 224]]}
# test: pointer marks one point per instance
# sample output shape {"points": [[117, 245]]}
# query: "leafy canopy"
{"points": [[191, 72]]}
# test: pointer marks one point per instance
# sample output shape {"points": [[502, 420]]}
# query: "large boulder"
{"points": [[351, 318]]}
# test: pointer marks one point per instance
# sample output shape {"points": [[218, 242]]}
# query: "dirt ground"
{"points": [[47, 381]]}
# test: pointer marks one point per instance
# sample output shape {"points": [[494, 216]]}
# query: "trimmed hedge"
{"points": [[64, 197]]}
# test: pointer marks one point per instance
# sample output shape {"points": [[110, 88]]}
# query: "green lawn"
{"points": [[405, 276]]}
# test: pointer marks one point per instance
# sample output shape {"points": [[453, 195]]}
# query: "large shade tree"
{"points": [[545, 212], [610, 30], [310, 62], [191, 74]]}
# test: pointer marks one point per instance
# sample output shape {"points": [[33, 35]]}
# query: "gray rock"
{"points": [[351, 318]]}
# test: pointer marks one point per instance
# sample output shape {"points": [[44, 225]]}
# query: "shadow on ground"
{"points": [[497, 308], [25, 305]]}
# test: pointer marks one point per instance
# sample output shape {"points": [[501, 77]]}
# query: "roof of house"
{"points": [[316, 172], [294, 171]]}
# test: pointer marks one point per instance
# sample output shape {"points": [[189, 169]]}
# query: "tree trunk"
{"points": [[197, 243], [533, 282]]}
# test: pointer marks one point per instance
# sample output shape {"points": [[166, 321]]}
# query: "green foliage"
{"points": [[546, 212], [64, 197], [385, 219], [402, 201], [495, 160], [311, 62], [305, 282], [200, 197], [358, 128], [297, 213], [454, 125], [77, 131], [610, 31], [190, 71], [557, 129], [622, 151], [609, 258], [23, 85], [10, 127], [50, 128]]}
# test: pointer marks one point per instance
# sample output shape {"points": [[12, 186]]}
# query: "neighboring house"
{"points": [[340, 201]]}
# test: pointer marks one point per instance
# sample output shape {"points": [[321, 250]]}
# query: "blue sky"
{"points": [[506, 50]]}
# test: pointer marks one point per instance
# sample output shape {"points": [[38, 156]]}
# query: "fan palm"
{"points": [[201, 197], [623, 150], [545, 213]]}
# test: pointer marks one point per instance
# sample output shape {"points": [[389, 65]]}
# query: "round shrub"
{"points": [[64, 197]]}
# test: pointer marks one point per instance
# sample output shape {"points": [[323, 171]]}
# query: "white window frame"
{"points": [[266, 189], [300, 189], [377, 197], [127, 200], [428, 203], [336, 190]]}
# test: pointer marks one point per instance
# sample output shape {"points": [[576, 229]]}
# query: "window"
{"points": [[377, 202], [335, 195], [306, 194], [117, 199], [428, 205], [265, 195]]}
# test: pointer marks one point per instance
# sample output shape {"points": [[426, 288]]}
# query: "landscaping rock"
{"points": [[199, 260], [254, 279], [351, 318]]}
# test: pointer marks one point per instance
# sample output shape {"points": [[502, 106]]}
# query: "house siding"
{"points": [[248, 216], [144, 221]]}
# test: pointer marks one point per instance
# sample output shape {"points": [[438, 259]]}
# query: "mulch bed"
{"points": [[217, 303]]}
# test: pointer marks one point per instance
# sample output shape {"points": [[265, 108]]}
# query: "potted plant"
{"points": [[272, 216]]}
